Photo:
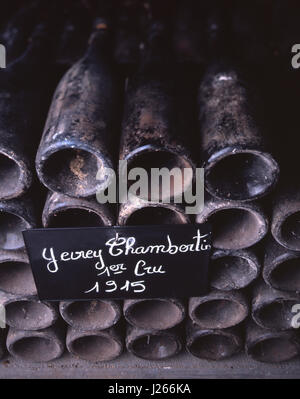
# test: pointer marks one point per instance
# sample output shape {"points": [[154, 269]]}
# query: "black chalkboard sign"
{"points": [[120, 262]]}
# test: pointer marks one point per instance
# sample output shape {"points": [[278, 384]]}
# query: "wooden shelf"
{"points": [[128, 366]]}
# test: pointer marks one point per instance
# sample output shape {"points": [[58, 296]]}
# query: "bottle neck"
{"points": [[99, 44]]}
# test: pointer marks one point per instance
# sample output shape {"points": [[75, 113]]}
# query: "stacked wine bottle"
{"points": [[178, 85]]}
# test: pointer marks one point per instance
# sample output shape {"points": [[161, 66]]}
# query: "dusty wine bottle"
{"points": [[63, 211], [154, 314], [233, 270], [271, 346], [15, 273], [95, 345], [273, 309], [28, 312], [36, 346], [286, 214], [90, 315], [281, 267], [143, 313], [16, 215], [239, 167], [219, 309], [236, 224], [23, 89], [235, 155], [80, 132], [150, 138], [153, 345], [139, 212], [213, 344]]}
